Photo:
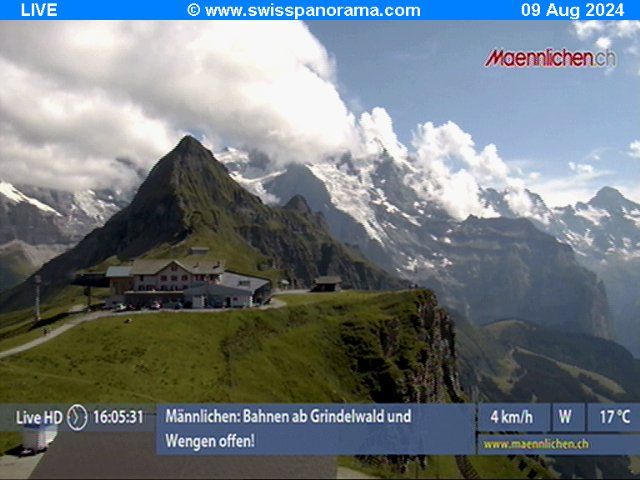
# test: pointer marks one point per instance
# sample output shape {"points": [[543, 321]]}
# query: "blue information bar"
{"points": [[514, 417], [319, 10], [319, 429], [618, 417], [561, 444], [569, 417]]}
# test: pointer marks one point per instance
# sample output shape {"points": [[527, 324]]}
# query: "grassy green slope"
{"points": [[311, 351], [514, 361], [559, 367]]}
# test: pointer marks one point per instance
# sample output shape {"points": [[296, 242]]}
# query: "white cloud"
{"points": [[450, 170], [634, 149], [603, 43], [579, 185], [77, 95], [449, 143], [377, 131], [83, 93], [605, 35], [518, 198], [620, 29], [586, 29], [582, 169], [626, 28]]}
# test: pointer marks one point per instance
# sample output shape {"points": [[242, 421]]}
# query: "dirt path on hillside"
{"points": [[89, 317]]}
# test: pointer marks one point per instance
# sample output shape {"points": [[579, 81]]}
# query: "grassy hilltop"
{"points": [[348, 347]]}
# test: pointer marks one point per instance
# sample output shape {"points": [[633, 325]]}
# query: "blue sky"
{"points": [[540, 119], [304, 92]]}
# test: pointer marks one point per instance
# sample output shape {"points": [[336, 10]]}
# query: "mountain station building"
{"points": [[327, 283], [197, 283]]}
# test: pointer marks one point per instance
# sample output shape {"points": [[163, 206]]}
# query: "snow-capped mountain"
{"points": [[487, 268], [82, 211], [376, 204], [605, 234], [37, 224], [606, 226]]}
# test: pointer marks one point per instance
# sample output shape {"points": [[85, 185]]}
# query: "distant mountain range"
{"points": [[189, 199], [486, 268], [605, 234], [489, 269], [36, 224]]}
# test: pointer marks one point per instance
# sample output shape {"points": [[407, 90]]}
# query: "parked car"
{"points": [[155, 306], [178, 306], [119, 308]]}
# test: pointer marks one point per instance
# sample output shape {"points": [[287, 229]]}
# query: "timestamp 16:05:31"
{"points": [[118, 417]]}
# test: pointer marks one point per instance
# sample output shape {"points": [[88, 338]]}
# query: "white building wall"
{"points": [[175, 278], [241, 301], [198, 302]]}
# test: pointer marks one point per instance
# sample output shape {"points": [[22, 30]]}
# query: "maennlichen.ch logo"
{"points": [[551, 58]]}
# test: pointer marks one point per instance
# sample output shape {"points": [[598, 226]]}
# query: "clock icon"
{"points": [[77, 417]]}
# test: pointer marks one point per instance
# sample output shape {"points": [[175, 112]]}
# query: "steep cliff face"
{"points": [[409, 357], [506, 268]]}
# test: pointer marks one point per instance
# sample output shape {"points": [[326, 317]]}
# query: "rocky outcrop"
{"points": [[408, 358]]}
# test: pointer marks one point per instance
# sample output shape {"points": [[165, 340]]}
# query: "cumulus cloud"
{"points": [[634, 149], [603, 43], [449, 142], [614, 29], [82, 94], [582, 169], [578, 183], [451, 170], [586, 29], [78, 98], [605, 35], [377, 133]]}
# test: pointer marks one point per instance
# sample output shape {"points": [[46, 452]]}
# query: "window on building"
{"points": [[163, 278], [184, 287], [174, 268], [141, 278], [184, 278], [174, 278]]}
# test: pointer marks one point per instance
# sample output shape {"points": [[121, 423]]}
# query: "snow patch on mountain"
{"points": [[256, 186], [350, 194], [16, 196], [633, 216], [92, 206], [592, 214]]}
